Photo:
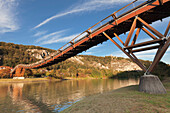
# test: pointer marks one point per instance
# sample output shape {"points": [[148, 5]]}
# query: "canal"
{"points": [[46, 97]]}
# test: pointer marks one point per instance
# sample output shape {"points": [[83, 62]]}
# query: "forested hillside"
{"points": [[13, 54], [81, 65]]}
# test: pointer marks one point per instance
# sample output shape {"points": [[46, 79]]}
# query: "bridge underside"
{"points": [[138, 18], [150, 16]]}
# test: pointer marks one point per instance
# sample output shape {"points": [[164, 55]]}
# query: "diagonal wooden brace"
{"points": [[150, 34], [118, 38], [136, 36], [132, 58], [151, 28], [159, 55], [131, 31]]}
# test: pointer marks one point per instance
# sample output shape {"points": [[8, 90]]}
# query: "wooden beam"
{"points": [[133, 59], [118, 38], [145, 49], [136, 36], [151, 28], [150, 34], [159, 56], [144, 44], [131, 32]]}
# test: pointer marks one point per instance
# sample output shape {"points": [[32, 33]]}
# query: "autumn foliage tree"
{"points": [[5, 73]]}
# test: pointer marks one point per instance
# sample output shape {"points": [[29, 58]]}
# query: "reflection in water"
{"points": [[53, 96]]}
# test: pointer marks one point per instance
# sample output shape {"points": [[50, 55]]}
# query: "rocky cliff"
{"points": [[37, 53], [115, 63]]}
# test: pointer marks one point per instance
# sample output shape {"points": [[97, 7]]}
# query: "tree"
{"points": [[28, 73], [72, 71], [5, 73]]}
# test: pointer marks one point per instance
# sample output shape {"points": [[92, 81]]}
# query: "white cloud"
{"points": [[168, 50], [39, 33], [55, 37], [88, 53], [59, 38], [8, 19], [51, 35], [85, 6]]}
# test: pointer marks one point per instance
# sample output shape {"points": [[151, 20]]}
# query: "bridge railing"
{"points": [[103, 22], [113, 17]]}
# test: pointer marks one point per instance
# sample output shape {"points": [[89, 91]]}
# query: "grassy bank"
{"points": [[27, 80], [127, 99]]}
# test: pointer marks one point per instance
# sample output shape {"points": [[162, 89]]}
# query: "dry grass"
{"points": [[124, 100]]}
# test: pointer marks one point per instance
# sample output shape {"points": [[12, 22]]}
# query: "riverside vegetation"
{"points": [[78, 66]]}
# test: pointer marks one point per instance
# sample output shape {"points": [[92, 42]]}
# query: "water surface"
{"points": [[46, 97]]}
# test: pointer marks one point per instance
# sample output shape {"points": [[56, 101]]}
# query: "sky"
{"points": [[53, 23]]}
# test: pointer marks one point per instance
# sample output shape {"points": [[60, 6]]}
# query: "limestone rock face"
{"points": [[39, 54], [116, 64], [124, 65], [76, 59]]}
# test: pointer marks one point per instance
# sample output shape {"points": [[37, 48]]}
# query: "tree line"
{"points": [[14, 54]]}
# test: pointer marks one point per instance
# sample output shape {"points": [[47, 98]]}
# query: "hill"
{"points": [[81, 65], [13, 54]]}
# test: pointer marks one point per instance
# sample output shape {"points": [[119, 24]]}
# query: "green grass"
{"points": [[126, 100]]}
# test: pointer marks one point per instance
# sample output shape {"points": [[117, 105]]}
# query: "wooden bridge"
{"points": [[138, 18], [5, 67]]}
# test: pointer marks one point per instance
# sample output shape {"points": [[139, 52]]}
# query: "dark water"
{"points": [[44, 97]]}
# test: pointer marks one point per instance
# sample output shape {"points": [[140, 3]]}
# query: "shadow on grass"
{"points": [[128, 74]]}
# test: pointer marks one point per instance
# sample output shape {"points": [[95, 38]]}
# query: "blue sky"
{"points": [[52, 23]]}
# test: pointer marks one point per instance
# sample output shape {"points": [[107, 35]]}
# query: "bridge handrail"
{"points": [[88, 31]]}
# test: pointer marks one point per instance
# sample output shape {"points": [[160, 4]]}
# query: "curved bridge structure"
{"points": [[139, 18], [5, 67]]}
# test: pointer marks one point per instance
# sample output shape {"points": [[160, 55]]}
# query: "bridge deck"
{"points": [[149, 11]]}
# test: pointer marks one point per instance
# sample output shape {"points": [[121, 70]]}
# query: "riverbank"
{"points": [[127, 99], [28, 80], [10, 80], [82, 78]]}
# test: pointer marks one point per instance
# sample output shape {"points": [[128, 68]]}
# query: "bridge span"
{"points": [[139, 18]]}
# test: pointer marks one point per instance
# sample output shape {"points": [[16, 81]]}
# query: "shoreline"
{"points": [[127, 99], [28, 80]]}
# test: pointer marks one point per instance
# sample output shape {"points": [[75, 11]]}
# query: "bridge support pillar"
{"points": [[151, 84], [148, 83]]}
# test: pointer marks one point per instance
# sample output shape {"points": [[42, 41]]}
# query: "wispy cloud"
{"points": [[88, 53], [85, 6], [39, 33], [59, 38], [55, 37], [50, 36], [8, 19]]}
